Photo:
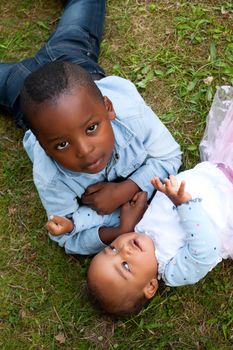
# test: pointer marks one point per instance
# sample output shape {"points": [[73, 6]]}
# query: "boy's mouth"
{"points": [[95, 164]]}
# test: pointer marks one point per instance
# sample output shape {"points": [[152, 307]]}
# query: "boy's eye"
{"points": [[62, 145], [92, 128], [112, 248], [125, 265]]}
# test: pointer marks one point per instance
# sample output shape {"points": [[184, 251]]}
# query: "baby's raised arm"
{"points": [[200, 251], [173, 190]]}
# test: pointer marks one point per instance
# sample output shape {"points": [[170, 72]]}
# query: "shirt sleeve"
{"points": [[163, 152], [58, 199], [201, 251]]}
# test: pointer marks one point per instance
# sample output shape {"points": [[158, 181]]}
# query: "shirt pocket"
{"points": [[132, 163]]}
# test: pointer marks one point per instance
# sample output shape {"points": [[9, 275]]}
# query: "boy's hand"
{"points": [[132, 212], [172, 189], [105, 197], [58, 225]]}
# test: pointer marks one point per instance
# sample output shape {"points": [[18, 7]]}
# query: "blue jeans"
{"points": [[76, 39]]}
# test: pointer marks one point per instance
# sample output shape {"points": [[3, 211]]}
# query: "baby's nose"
{"points": [[126, 249]]}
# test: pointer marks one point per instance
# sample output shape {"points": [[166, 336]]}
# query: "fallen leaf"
{"points": [[11, 211], [60, 338], [22, 313], [208, 80], [224, 11]]}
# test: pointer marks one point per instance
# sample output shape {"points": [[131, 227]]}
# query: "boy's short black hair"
{"points": [[52, 80]]}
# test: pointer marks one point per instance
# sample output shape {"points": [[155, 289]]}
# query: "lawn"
{"points": [[177, 53]]}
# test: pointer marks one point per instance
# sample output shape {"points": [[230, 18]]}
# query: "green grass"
{"points": [[168, 49]]}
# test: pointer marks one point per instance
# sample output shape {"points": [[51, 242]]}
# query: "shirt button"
{"points": [[88, 53], [117, 156]]}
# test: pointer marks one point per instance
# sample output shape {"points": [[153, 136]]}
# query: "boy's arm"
{"points": [[200, 253], [97, 196], [163, 152]]}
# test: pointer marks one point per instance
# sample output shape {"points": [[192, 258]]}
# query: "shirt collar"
{"points": [[123, 134]]}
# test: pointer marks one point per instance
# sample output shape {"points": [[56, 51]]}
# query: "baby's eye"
{"points": [[112, 248], [62, 145], [125, 265], [92, 128]]}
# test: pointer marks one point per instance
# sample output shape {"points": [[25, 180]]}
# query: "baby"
{"points": [[181, 237], [179, 244]]}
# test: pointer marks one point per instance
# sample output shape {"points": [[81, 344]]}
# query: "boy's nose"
{"points": [[82, 149]]}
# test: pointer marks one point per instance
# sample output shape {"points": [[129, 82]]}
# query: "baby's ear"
{"points": [[109, 108], [151, 288]]}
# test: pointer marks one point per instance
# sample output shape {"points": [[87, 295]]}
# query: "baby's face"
{"points": [[126, 268], [76, 131]]}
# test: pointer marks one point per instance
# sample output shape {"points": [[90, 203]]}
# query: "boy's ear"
{"points": [[109, 108], [151, 288]]}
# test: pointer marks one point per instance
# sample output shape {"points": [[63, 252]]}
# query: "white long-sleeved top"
{"points": [[194, 237]]}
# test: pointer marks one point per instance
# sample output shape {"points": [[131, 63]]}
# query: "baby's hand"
{"points": [[132, 212], [172, 189], [58, 225]]}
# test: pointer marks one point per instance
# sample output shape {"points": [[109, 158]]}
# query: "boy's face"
{"points": [[127, 268], [76, 131]]}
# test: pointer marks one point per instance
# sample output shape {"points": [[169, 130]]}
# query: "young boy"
{"points": [[93, 145]]}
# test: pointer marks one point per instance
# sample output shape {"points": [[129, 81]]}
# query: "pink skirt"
{"points": [[217, 143], [217, 148]]}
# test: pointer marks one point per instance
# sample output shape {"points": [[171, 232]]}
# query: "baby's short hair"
{"points": [[51, 81], [113, 309]]}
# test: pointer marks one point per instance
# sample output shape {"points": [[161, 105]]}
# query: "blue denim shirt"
{"points": [[143, 148]]}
